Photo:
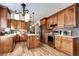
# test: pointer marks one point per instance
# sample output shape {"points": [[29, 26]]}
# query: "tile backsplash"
{"points": [[75, 32]]}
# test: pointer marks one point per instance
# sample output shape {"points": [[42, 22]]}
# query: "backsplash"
{"points": [[75, 32]]}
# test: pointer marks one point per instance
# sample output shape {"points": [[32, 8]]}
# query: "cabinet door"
{"points": [[13, 24], [58, 42], [9, 23], [55, 19], [61, 19], [36, 42], [67, 45], [17, 38], [69, 17], [46, 38], [3, 17], [76, 46], [18, 24], [27, 26], [49, 22], [23, 37], [43, 21], [30, 42], [23, 25]]}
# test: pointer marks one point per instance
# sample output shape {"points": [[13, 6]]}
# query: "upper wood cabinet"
{"points": [[23, 25], [55, 19], [49, 22], [77, 16], [43, 21], [4, 16], [69, 19], [9, 23], [61, 19], [18, 24], [13, 24]]}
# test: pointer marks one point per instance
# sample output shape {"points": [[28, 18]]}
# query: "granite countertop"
{"points": [[29, 34], [68, 36], [9, 35]]}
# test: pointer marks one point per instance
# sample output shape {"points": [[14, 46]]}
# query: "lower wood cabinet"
{"points": [[58, 42], [22, 37], [17, 38], [68, 45], [46, 38], [33, 42], [7, 44]]}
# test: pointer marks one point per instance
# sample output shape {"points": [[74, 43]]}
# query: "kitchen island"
{"points": [[33, 41], [7, 43], [67, 44]]}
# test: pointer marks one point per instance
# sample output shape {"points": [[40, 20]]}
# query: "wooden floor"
{"points": [[45, 50]]}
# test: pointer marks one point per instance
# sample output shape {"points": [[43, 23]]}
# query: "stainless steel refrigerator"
{"points": [[42, 33]]}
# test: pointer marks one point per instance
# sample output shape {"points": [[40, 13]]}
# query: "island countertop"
{"points": [[68, 36], [32, 34], [9, 35]]}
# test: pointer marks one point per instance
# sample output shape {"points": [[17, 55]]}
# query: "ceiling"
{"points": [[41, 9]]}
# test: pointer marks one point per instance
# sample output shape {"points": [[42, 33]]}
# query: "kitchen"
{"points": [[58, 31]]}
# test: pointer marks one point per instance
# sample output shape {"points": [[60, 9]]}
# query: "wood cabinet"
{"points": [[20, 38], [46, 38], [43, 21], [9, 23], [7, 44], [23, 37], [76, 46], [49, 22], [60, 19], [33, 42], [69, 17], [27, 26], [18, 24], [4, 15], [23, 25], [55, 19], [68, 45], [52, 20], [58, 42], [17, 38], [13, 24]]}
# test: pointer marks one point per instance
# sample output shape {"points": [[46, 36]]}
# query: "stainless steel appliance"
{"points": [[42, 33]]}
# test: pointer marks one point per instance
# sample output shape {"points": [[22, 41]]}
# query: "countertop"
{"points": [[68, 36], [29, 34], [9, 35]]}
